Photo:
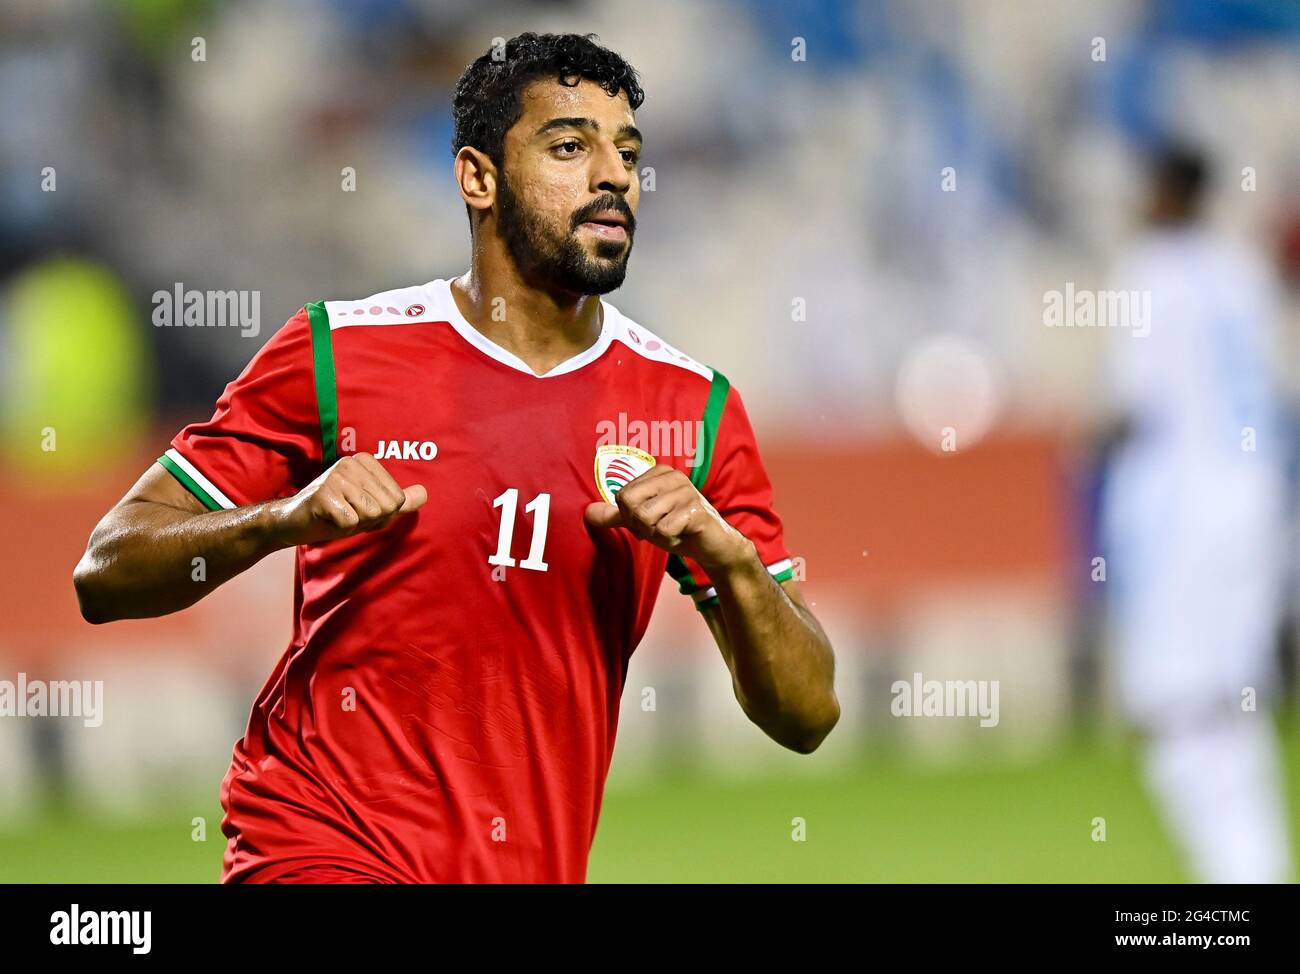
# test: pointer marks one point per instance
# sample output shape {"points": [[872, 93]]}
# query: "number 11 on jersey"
{"points": [[540, 508]]}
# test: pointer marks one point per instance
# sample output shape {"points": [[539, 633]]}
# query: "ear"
{"points": [[476, 175]]}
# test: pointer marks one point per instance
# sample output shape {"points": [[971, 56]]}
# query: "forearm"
{"points": [[147, 559], [781, 661]]}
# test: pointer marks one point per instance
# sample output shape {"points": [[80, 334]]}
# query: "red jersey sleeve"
{"points": [[737, 485], [264, 440]]}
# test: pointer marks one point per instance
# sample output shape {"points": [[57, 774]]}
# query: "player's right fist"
{"points": [[356, 494]]}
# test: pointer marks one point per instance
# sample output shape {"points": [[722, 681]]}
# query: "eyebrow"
{"points": [[574, 122]]}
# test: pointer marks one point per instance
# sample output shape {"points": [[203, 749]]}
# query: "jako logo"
{"points": [[406, 450]]}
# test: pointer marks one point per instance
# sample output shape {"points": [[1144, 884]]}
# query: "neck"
{"points": [[543, 328]]}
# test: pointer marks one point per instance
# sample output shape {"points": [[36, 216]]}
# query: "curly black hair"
{"points": [[488, 97]]}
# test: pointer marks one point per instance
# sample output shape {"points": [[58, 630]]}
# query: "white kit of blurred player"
{"points": [[1194, 520]]}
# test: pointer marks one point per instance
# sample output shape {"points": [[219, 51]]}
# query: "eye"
{"points": [[630, 156], [574, 143]]}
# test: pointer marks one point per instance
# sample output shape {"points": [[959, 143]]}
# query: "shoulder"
{"points": [[668, 361], [697, 388], [398, 306]]}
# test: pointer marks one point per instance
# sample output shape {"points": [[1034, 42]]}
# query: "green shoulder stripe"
{"points": [[717, 399], [709, 429], [322, 351]]}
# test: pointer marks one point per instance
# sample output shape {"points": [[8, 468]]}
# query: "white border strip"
{"points": [[440, 290], [212, 489], [776, 568]]}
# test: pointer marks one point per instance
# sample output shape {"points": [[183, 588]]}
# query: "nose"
{"points": [[609, 172]]}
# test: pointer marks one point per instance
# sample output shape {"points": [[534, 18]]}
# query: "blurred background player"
{"points": [[1194, 518]]}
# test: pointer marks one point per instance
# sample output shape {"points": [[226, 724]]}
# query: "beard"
{"points": [[558, 261]]}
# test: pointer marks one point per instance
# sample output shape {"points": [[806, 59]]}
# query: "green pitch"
{"points": [[885, 820]]}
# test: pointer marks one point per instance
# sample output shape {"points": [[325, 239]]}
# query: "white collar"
{"points": [[440, 290]]}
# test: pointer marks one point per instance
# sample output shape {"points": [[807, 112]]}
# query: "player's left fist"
{"points": [[663, 507]]}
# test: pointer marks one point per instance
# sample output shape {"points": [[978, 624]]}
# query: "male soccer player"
{"points": [[467, 596]]}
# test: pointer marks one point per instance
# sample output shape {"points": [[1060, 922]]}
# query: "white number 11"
{"points": [[541, 504]]}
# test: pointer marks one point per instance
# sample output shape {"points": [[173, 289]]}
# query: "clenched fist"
{"points": [[663, 507], [356, 494]]}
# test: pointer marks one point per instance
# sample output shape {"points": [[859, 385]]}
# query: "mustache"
{"points": [[615, 203]]}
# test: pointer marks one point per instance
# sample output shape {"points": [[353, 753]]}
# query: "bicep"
{"points": [[157, 486], [157, 494]]}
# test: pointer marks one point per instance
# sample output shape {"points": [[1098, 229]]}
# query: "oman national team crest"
{"points": [[617, 465]]}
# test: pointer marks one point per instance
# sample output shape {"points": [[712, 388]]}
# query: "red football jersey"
{"points": [[446, 709]]}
